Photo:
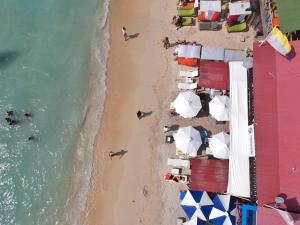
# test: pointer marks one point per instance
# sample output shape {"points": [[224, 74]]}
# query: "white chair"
{"points": [[189, 73], [187, 86], [179, 162]]}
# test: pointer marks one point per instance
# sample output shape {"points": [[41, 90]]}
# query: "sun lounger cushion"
{"points": [[187, 61], [187, 21], [187, 6], [187, 86], [186, 12], [189, 73]]}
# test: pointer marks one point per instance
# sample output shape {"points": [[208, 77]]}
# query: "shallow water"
{"points": [[45, 52]]}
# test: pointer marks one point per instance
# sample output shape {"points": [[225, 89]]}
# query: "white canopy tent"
{"points": [[210, 6], [188, 140], [212, 53], [239, 178], [187, 104], [219, 108], [189, 51], [219, 145], [239, 8]]}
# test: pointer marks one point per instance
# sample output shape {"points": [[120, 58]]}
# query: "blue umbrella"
{"points": [[223, 212], [196, 204], [195, 221]]}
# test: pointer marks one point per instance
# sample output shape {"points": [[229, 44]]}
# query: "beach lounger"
{"points": [[186, 12], [188, 21], [179, 163], [187, 86], [189, 5], [182, 155], [189, 73], [242, 27]]}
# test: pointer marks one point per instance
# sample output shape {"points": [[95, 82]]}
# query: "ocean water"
{"points": [[52, 55]]}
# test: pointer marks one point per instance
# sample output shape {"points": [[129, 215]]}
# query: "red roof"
{"points": [[209, 175], [213, 75], [277, 125], [268, 216]]}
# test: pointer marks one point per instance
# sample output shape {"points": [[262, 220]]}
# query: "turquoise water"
{"points": [[45, 50]]}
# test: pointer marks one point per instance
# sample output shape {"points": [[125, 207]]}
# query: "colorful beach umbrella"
{"points": [[196, 204], [187, 104], [195, 221], [279, 41], [188, 140], [223, 212], [219, 108], [219, 145]]}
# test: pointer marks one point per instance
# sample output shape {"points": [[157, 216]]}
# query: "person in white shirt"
{"points": [[124, 32]]}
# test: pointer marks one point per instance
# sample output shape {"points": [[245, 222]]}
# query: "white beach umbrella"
{"points": [[188, 140], [187, 104], [219, 108], [219, 145]]}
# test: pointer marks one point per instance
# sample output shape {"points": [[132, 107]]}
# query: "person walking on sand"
{"points": [[139, 114], [124, 32], [166, 42]]}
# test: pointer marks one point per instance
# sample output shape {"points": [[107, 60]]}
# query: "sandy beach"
{"points": [[142, 76]]}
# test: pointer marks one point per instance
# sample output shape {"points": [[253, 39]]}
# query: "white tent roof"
{"points": [[212, 53], [187, 104], [219, 145], [189, 51], [239, 8], [239, 179], [188, 140], [210, 6], [219, 108]]}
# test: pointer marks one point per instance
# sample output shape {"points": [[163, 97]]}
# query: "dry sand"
{"points": [[142, 76]]}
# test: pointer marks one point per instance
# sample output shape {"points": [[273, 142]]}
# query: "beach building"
{"points": [[277, 126], [281, 13]]}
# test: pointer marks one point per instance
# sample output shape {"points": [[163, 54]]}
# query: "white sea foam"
{"points": [[74, 210]]}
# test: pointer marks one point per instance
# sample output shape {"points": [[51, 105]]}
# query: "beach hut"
{"points": [[188, 140], [187, 104], [219, 145], [219, 108], [196, 204], [210, 175], [213, 75], [209, 10]]}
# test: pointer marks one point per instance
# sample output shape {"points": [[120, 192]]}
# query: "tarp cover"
{"points": [[277, 125], [189, 51], [213, 75], [210, 5], [209, 175], [289, 16], [212, 53], [239, 178], [239, 8], [235, 55]]}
